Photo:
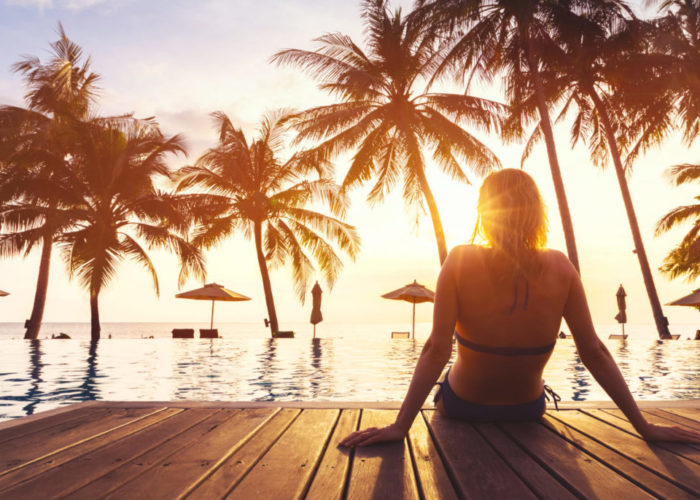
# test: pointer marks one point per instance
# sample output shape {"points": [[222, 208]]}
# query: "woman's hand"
{"points": [[652, 432], [374, 435]]}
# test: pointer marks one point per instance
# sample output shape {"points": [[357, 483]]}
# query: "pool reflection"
{"points": [[39, 375]]}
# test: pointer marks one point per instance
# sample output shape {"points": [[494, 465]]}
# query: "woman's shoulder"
{"points": [[466, 251], [557, 260]]}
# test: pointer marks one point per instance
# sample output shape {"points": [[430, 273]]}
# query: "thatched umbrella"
{"points": [[414, 293], [213, 292], [690, 300]]}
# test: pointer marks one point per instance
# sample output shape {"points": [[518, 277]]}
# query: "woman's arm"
{"points": [[435, 354], [601, 364]]}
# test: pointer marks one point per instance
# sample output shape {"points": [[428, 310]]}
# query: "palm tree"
{"points": [[492, 37], [249, 188], [120, 210], [684, 260], [678, 37], [34, 143], [589, 63], [386, 114]]}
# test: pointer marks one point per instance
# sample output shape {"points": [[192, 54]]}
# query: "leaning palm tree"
{"points": [[387, 116], [678, 37], [121, 213], [495, 37], [589, 65], [684, 260], [34, 143], [249, 188]]}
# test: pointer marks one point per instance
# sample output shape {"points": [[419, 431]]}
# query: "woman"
{"points": [[505, 302]]}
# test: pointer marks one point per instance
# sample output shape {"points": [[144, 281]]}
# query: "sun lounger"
{"points": [[206, 333], [183, 333], [400, 335], [288, 334], [618, 336]]}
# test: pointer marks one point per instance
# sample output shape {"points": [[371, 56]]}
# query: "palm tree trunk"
{"points": [[42, 284], [434, 215], [264, 273], [94, 315], [548, 134], [659, 318]]}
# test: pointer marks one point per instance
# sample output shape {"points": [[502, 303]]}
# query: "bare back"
{"points": [[515, 313]]}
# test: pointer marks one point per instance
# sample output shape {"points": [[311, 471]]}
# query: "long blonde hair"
{"points": [[512, 220]]}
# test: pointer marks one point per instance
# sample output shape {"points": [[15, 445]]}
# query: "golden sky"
{"points": [[181, 60]]}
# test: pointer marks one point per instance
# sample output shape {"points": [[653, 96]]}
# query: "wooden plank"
{"points": [[689, 413], [588, 477], [181, 470], [618, 419], [329, 481], [680, 471], [234, 467], [18, 422], [622, 465], [383, 470], [475, 468], [56, 458], [41, 424], [672, 418], [284, 471], [433, 479], [180, 437], [76, 473], [25, 450], [527, 468]]}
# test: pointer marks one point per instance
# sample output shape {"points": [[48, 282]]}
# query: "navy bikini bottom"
{"points": [[456, 407]]}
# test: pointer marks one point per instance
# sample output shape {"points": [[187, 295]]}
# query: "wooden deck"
{"points": [[261, 451]]}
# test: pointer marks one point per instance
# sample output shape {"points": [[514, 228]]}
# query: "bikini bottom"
{"points": [[456, 407]]}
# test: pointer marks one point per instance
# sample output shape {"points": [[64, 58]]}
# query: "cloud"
{"points": [[74, 5]]}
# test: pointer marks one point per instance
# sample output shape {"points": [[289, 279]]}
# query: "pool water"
{"points": [[44, 374]]}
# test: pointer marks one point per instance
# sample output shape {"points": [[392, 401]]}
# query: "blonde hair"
{"points": [[512, 219]]}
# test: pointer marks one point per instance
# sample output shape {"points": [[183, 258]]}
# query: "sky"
{"points": [[179, 61]]}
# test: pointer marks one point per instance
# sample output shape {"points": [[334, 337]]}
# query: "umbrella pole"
{"points": [[211, 322], [413, 329], [314, 331]]}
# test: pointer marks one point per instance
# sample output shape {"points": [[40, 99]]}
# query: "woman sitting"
{"points": [[505, 302]]}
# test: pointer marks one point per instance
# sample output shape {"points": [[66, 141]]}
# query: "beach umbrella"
{"points": [[316, 316], [414, 293], [691, 300], [3, 294], [621, 315], [213, 292]]}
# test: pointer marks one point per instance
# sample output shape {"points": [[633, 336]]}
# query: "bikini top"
{"points": [[509, 351]]}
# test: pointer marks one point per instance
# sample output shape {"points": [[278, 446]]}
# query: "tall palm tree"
{"points": [[684, 260], [249, 188], [678, 36], [34, 143], [588, 64], [494, 37], [387, 116], [120, 210]]}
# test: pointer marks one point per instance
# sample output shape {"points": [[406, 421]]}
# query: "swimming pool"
{"points": [[40, 375]]}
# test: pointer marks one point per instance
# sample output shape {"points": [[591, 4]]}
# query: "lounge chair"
{"points": [[618, 336], [206, 333], [283, 334], [183, 333], [400, 335]]}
